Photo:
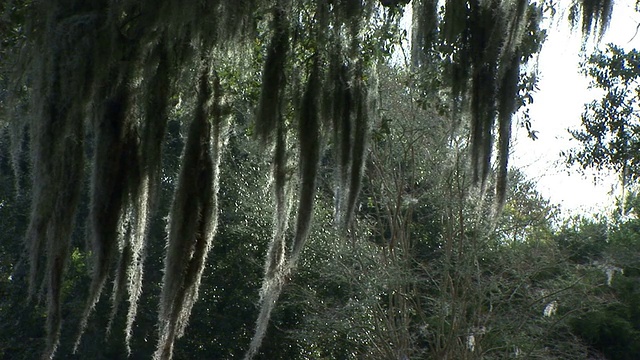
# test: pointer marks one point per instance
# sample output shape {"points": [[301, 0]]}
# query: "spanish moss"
{"points": [[507, 106], [358, 148], [342, 140], [112, 179], [309, 142], [57, 134], [194, 215], [594, 15], [273, 76], [424, 30], [275, 269]]}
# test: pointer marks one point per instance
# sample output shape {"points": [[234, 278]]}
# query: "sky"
{"points": [[558, 105]]}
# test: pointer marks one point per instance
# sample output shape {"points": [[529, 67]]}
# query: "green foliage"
{"points": [[584, 239], [613, 328], [609, 333], [526, 216], [605, 254], [610, 137]]}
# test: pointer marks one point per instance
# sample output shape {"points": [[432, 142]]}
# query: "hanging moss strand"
{"points": [[190, 237], [595, 16], [275, 255], [358, 150], [309, 142], [275, 272], [342, 140], [113, 173], [69, 168], [273, 77], [120, 278], [63, 46], [424, 30], [508, 98], [156, 117]]}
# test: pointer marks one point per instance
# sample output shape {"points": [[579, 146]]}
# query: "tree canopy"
{"points": [[95, 83], [609, 138]]}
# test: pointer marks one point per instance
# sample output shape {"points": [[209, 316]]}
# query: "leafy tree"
{"points": [[610, 137], [585, 239], [526, 215]]}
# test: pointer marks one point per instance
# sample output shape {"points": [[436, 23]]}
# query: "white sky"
{"points": [[558, 105]]}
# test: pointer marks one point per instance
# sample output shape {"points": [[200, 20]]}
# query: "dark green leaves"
{"points": [[610, 134]]}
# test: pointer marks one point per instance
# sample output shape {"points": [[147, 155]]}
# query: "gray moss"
{"points": [[194, 213], [273, 77]]}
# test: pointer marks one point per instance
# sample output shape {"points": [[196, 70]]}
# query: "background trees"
{"points": [[609, 137], [141, 111]]}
